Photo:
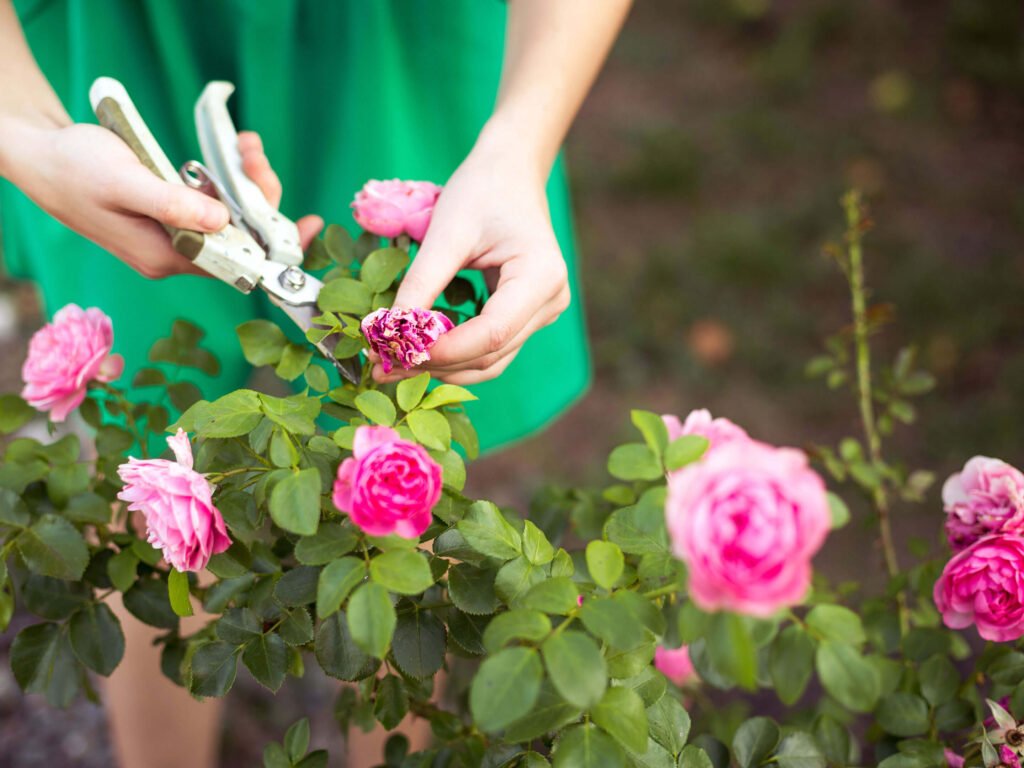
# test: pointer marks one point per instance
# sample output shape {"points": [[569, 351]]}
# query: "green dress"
{"points": [[342, 91]]}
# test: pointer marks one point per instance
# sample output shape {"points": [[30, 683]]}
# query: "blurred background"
{"points": [[707, 168]]}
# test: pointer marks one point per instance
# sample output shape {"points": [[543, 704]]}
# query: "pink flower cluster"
{"points": [[389, 485], [983, 583], [747, 519], [404, 336], [675, 664], [177, 503], [64, 356], [395, 207]]}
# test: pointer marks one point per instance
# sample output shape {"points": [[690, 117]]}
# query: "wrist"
{"points": [[20, 137], [509, 142]]}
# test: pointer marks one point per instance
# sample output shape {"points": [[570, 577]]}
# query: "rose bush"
{"points": [[623, 625]]}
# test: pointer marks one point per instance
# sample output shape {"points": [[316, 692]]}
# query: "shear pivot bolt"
{"points": [[293, 278]]}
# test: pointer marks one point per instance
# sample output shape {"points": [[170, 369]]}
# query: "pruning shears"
{"points": [[260, 247]]}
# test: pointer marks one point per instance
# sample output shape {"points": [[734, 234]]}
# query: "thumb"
{"points": [[441, 255], [175, 205]]}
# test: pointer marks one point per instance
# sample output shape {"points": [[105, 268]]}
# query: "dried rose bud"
{"points": [[404, 336]]}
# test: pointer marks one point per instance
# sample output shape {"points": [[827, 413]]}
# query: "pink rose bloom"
{"points": [[178, 506], [747, 520], [986, 497], [395, 207], [717, 431], [389, 485], [64, 356], [984, 585], [1008, 758], [675, 664], [404, 336], [953, 760]]}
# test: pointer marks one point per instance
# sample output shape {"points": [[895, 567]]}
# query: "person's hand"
{"points": [[493, 216], [88, 178]]}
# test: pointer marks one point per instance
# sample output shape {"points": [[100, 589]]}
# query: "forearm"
{"points": [[27, 100], [553, 51]]}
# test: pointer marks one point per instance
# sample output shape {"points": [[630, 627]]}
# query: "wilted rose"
{"points": [[392, 208], [747, 520], [985, 497], [404, 336], [984, 585], [64, 356], [177, 504], [389, 485]]}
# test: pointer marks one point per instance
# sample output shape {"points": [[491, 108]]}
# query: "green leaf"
{"points": [[550, 713], [576, 668], [13, 510], [556, 595], [298, 586], [605, 563], [515, 578], [471, 589], [847, 675], [238, 626], [613, 622], [67, 480], [536, 547], [584, 746], [431, 429], [282, 450], [518, 624], [51, 598], [839, 511], [404, 571], [638, 530], [392, 702], [903, 714], [669, 724], [382, 267], [732, 649], [655, 433], [446, 394], [317, 379], [488, 532], [262, 342], [266, 656], [798, 750], [634, 461], [213, 670], [505, 688], [178, 593], [43, 662], [410, 391], [295, 502], [337, 652], [150, 603], [621, 713], [754, 741], [296, 740], [14, 413], [337, 580], [345, 295], [296, 413], [685, 450], [339, 244], [693, 756], [88, 508], [295, 358], [371, 619], [419, 644], [52, 546], [377, 407], [790, 664], [939, 680], [233, 415], [834, 622], [331, 541], [96, 638]]}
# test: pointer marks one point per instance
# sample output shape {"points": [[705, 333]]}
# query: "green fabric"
{"points": [[341, 91]]}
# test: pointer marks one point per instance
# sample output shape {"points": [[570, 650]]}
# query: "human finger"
{"points": [[257, 166]]}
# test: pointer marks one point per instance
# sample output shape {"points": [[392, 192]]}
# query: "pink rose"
{"points": [[747, 520], [717, 431], [1008, 758], [64, 356], [395, 207], [178, 506], [675, 664], [984, 585], [986, 497], [389, 485], [953, 760], [404, 336]]}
